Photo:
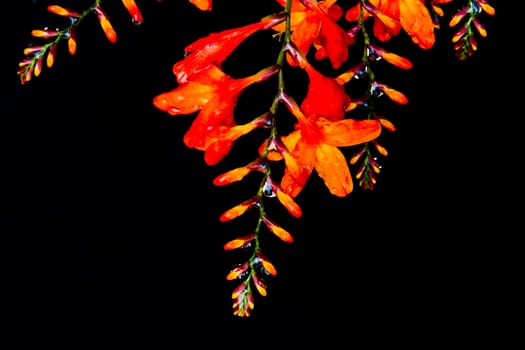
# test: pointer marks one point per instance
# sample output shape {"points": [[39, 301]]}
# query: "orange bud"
{"points": [[62, 11], [133, 10], [277, 230], [397, 60], [239, 242], [238, 210], [387, 124], [479, 27], [32, 49], [486, 7], [110, 33], [288, 202], [45, 33], [259, 285], [241, 288], [360, 171], [38, 66], [51, 56], [203, 5], [394, 95], [458, 17], [459, 34], [266, 264], [380, 148], [357, 155], [72, 42], [438, 10], [237, 271], [231, 176]]}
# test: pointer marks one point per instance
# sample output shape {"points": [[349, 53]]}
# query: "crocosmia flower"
{"points": [[216, 47], [390, 16], [315, 145], [326, 96], [314, 24], [214, 94]]}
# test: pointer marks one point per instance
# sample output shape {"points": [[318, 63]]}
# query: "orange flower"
{"points": [[314, 24], [315, 145], [390, 16], [215, 95], [216, 47], [326, 96]]}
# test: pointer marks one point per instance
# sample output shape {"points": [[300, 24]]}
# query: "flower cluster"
{"points": [[334, 133]]}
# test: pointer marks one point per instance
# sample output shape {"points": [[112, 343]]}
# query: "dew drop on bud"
{"points": [[267, 190]]}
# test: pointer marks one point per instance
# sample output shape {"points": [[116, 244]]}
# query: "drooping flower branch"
{"points": [[333, 131]]}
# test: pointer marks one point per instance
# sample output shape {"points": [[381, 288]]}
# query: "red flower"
{"points": [[326, 96], [314, 24], [390, 16], [315, 145], [216, 47], [215, 95]]}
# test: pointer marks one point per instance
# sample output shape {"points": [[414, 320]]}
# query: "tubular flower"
{"points": [[215, 95], [315, 145], [390, 16], [326, 96], [314, 24], [216, 47]]}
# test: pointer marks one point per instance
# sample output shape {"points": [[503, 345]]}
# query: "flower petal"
{"points": [[332, 167]]}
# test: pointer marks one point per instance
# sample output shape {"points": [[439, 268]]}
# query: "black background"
{"points": [[110, 231]]}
